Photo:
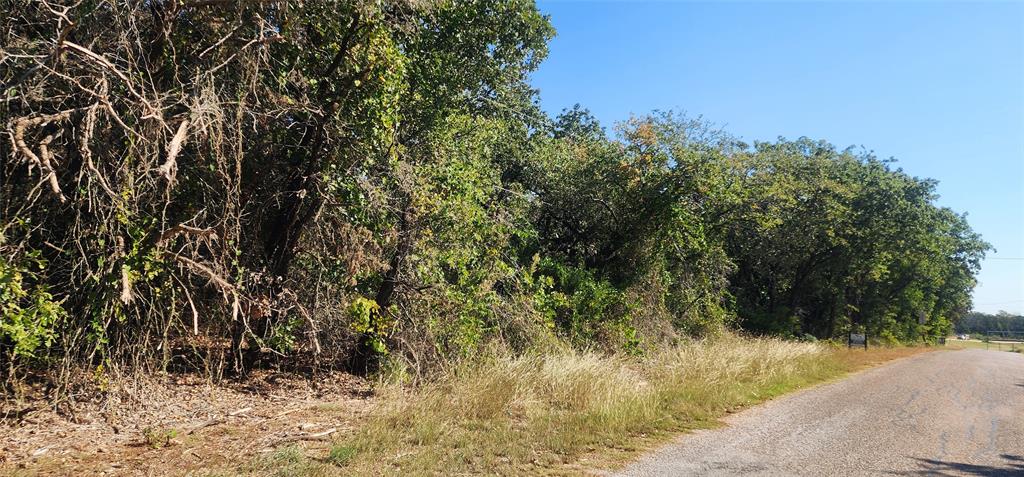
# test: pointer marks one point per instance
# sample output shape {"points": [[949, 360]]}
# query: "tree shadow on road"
{"points": [[1014, 467]]}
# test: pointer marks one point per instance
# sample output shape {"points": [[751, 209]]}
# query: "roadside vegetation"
{"points": [[569, 412], [513, 414], [221, 186]]}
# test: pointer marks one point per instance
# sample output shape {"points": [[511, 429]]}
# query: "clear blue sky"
{"points": [[938, 86]]}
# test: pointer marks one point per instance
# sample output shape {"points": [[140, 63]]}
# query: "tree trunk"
{"points": [[365, 359]]}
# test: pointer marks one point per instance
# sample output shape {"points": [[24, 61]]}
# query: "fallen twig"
{"points": [[285, 413], [205, 424], [319, 436]]}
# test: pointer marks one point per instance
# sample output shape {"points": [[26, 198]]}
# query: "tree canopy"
{"points": [[999, 324]]}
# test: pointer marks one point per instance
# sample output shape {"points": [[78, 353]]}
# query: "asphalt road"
{"points": [[942, 413]]}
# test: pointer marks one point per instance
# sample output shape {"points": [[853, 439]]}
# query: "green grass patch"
{"points": [[290, 461]]}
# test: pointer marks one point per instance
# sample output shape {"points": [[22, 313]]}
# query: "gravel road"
{"points": [[943, 413]]}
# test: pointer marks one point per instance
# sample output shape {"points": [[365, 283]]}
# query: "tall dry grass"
{"points": [[532, 414]]}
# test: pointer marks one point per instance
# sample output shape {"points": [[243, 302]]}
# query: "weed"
{"points": [[341, 454], [158, 437], [289, 461]]}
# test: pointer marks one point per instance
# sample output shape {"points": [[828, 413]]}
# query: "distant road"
{"points": [[942, 413]]}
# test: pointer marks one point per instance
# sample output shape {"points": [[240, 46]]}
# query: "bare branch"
{"points": [[201, 269], [18, 128], [182, 228], [170, 166]]}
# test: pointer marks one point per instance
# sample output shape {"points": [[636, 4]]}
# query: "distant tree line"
{"points": [[985, 323], [216, 184]]}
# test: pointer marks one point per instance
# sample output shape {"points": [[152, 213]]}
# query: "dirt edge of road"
{"points": [[605, 462], [832, 429]]}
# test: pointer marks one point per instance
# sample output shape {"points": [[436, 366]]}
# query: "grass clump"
{"points": [[290, 461], [156, 438], [341, 454]]}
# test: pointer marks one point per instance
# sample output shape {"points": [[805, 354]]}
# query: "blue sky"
{"points": [[938, 86]]}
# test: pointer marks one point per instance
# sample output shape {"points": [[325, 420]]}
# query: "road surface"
{"points": [[942, 413]]}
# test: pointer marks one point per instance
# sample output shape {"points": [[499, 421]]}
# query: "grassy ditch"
{"points": [[571, 412]]}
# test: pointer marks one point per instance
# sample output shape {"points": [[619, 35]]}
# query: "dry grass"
{"points": [[573, 412], [857, 359], [570, 413], [558, 413]]}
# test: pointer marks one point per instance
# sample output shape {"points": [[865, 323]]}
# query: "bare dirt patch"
{"points": [[180, 425]]}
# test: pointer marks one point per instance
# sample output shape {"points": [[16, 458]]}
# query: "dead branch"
{"points": [[170, 166], [221, 41], [192, 306], [126, 286], [285, 413], [88, 127], [205, 424], [319, 436], [201, 269], [254, 41], [43, 160], [47, 162], [152, 112], [182, 228]]}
